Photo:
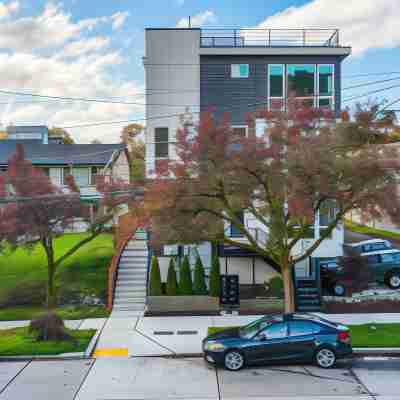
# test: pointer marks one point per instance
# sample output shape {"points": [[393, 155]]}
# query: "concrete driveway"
{"points": [[191, 378]]}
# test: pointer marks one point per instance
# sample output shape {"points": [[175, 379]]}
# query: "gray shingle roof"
{"points": [[60, 154]]}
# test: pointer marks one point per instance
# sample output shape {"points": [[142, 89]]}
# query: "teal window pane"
{"points": [[325, 80], [244, 70], [301, 80], [276, 73], [326, 103]]}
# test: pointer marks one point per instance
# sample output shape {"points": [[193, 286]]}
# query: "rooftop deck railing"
{"points": [[270, 38]]}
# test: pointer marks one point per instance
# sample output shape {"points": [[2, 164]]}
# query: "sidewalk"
{"points": [[163, 336], [80, 324]]}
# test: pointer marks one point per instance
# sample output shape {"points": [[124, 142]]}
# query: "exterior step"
{"points": [[128, 308], [135, 253], [132, 282], [128, 298], [125, 267]]}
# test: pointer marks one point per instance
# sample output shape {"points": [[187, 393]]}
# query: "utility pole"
{"points": [[190, 21]]}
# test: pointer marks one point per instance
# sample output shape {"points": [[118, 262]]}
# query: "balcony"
{"points": [[264, 38]]}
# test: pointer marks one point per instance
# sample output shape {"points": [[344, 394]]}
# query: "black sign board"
{"points": [[229, 291]]}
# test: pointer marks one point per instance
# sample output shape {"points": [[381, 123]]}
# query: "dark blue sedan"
{"points": [[279, 338]]}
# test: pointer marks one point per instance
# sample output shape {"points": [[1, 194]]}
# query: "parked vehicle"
{"points": [[383, 266], [367, 246], [280, 338]]}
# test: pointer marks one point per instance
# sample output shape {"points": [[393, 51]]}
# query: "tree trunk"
{"points": [[51, 290], [288, 288]]}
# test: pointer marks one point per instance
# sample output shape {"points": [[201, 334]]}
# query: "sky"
{"points": [[94, 49]]}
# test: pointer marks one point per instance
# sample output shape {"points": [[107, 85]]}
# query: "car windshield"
{"points": [[251, 329]]}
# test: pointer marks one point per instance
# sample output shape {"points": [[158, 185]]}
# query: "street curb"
{"points": [[93, 342], [59, 357], [380, 352]]}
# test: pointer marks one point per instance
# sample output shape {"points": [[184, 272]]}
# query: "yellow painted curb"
{"points": [[123, 352]]}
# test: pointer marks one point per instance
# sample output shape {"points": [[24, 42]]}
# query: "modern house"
{"points": [[236, 71], [57, 160]]}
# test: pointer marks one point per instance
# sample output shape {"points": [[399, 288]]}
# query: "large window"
{"points": [[240, 70], [235, 232], [81, 176], [161, 142], [276, 84], [325, 86], [312, 84], [301, 80]]}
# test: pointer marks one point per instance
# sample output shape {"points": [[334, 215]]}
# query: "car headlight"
{"points": [[214, 346]]}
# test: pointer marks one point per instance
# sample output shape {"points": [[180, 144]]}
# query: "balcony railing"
{"points": [[270, 38]]}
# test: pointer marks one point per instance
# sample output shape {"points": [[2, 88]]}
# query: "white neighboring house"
{"points": [[233, 70], [84, 161]]}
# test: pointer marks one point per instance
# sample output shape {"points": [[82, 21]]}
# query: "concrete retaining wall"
{"points": [[157, 304]]}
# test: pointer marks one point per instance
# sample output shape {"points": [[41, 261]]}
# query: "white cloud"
{"points": [[51, 29], [84, 46], [363, 24], [8, 9], [198, 20], [118, 19], [60, 57]]}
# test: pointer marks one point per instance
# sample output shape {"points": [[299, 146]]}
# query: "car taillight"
{"points": [[344, 337]]}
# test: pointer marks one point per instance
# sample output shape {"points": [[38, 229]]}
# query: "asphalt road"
{"points": [[190, 378]]}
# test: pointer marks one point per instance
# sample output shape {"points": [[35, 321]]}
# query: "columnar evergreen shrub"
{"points": [[215, 278], [172, 283], [155, 278], [185, 287], [199, 286]]}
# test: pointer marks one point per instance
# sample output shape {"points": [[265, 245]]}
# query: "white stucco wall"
{"points": [[172, 67]]}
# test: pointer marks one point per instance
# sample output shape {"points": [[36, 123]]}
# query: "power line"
{"points": [[370, 93], [82, 99], [371, 74], [370, 83]]}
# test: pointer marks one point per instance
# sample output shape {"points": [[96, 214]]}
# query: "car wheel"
{"points": [[338, 289], [394, 280], [234, 360], [325, 358]]}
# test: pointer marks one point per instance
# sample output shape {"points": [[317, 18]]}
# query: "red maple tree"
{"points": [[301, 165]]}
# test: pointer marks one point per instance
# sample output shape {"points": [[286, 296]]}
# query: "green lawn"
{"points": [[19, 342], [23, 273], [366, 230], [24, 313], [369, 335]]}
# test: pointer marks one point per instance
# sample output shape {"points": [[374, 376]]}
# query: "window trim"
{"points": [[284, 95], [239, 76], [156, 142], [241, 126], [332, 97]]}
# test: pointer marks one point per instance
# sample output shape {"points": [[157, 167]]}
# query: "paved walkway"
{"points": [[81, 324], [191, 379], [160, 336]]}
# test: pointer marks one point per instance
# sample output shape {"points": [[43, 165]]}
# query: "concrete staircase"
{"points": [[130, 289]]}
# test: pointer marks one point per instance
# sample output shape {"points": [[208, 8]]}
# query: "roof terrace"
{"points": [[239, 38]]}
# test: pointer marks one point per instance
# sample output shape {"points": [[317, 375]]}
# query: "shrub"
{"points": [[199, 286], [25, 293], [215, 278], [185, 287], [172, 283], [355, 270], [274, 287], [155, 278]]}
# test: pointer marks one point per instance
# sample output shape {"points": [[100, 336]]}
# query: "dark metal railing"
{"points": [[270, 38]]}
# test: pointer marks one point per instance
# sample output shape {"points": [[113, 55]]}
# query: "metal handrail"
{"points": [[246, 37]]}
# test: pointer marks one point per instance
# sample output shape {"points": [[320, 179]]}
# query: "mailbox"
{"points": [[229, 291]]}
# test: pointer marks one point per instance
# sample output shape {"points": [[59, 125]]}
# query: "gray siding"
{"points": [[221, 93]]}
